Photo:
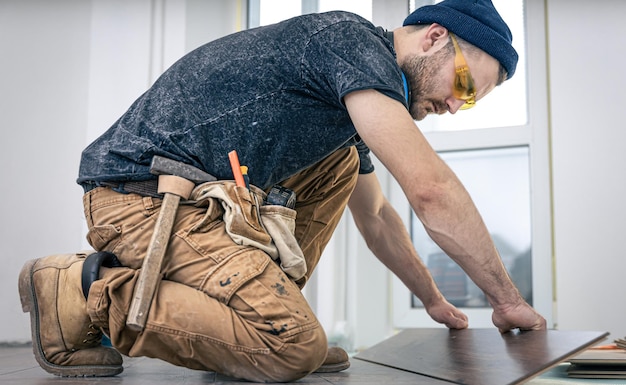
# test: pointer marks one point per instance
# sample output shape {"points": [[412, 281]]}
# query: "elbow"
{"points": [[370, 225], [369, 232], [430, 201]]}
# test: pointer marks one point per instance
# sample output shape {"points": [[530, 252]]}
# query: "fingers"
{"points": [[457, 324], [457, 321], [523, 319], [540, 324]]}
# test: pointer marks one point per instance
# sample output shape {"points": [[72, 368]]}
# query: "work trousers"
{"points": [[220, 306]]}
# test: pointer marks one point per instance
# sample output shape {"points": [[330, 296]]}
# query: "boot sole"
{"points": [[333, 368], [28, 299]]}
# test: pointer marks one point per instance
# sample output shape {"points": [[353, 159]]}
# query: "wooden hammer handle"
{"points": [[174, 188], [150, 274]]}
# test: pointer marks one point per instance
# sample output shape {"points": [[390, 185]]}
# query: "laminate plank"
{"points": [[479, 356]]}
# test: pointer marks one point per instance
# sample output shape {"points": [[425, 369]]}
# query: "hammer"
{"points": [[176, 180]]}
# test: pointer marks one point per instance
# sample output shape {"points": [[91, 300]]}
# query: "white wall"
{"points": [[57, 92], [44, 70], [68, 69], [587, 83]]}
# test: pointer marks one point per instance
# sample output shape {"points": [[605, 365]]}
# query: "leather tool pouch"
{"points": [[248, 222]]}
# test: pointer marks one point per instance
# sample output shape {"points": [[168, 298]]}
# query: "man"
{"points": [[295, 100]]}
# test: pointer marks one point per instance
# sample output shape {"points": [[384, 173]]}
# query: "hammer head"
{"points": [[164, 166]]}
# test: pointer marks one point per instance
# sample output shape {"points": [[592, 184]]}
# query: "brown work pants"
{"points": [[221, 306]]}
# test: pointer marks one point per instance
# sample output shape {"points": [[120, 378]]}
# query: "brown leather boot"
{"points": [[65, 342], [336, 360]]}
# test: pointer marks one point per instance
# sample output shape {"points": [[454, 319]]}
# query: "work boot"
{"points": [[65, 342], [336, 361]]}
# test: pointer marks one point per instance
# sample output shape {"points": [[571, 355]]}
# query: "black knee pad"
{"points": [[91, 268]]}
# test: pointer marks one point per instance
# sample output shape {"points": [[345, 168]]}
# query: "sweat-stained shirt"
{"points": [[274, 94]]}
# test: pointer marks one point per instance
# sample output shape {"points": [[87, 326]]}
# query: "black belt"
{"points": [[146, 188]]}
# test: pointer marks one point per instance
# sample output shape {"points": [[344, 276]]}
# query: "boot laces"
{"points": [[94, 335]]}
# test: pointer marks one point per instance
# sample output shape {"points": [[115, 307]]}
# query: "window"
{"points": [[501, 191], [264, 12], [499, 150]]}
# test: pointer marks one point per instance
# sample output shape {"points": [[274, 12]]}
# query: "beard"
{"points": [[422, 74]]}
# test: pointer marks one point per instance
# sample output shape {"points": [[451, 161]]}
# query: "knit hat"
{"points": [[475, 21]]}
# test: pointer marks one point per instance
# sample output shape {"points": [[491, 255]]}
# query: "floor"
{"points": [[18, 366]]}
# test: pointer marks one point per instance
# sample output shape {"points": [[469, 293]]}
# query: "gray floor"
{"points": [[18, 366]]}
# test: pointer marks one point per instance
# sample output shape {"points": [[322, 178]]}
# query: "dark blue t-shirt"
{"points": [[274, 94]]}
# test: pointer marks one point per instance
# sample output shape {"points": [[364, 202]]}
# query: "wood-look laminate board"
{"points": [[479, 356], [614, 357], [592, 363]]}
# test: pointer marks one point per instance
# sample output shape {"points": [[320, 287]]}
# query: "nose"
{"points": [[454, 104]]}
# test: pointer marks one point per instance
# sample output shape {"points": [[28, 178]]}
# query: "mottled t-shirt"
{"points": [[274, 94]]}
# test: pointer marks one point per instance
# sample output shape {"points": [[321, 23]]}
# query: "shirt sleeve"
{"points": [[366, 166], [349, 56]]}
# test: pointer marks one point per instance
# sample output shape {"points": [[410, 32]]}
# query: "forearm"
{"points": [[387, 237], [453, 222]]}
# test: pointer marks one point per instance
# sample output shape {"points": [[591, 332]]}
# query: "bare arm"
{"points": [[440, 201], [387, 237]]}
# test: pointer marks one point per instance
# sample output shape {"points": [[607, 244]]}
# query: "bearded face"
{"points": [[427, 81]]}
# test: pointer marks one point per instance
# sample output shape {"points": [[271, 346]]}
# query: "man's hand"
{"points": [[445, 313], [520, 316]]}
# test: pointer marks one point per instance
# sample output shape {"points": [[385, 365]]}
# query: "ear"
{"points": [[436, 36]]}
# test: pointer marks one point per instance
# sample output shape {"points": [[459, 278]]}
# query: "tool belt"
{"points": [[249, 219], [252, 222], [146, 188]]}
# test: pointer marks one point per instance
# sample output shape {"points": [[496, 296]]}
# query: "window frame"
{"points": [[535, 135], [356, 299]]}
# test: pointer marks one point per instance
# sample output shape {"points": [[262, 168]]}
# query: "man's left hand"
{"points": [[521, 316]]}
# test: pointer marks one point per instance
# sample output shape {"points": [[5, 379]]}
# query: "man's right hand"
{"points": [[446, 313]]}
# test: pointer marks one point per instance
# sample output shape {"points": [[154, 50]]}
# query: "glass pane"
{"points": [[498, 181], [362, 8], [273, 11], [506, 105]]}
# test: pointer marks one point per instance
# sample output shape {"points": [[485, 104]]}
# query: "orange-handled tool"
{"points": [[234, 164], [246, 178]]}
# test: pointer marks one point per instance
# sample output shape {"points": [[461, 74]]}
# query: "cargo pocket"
{"points": [[234, 272], [105, 237], [244, 219], [212, 216], [241, 213], [280, 223]]}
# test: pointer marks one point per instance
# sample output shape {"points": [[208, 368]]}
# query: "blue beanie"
{"points": [[475, 21]]}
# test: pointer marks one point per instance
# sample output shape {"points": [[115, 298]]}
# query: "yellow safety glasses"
{"points": [[463, 88]]}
